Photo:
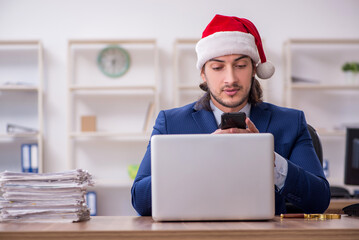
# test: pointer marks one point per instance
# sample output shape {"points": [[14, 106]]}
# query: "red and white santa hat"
{"points": [[226, 35]]}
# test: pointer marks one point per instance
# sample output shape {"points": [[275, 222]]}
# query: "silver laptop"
{"points": [[212, 177]]}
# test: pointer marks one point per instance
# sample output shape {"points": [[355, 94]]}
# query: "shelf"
{"points": [[18, 88], [325, 86], [19, 42], [323, 41], [118, 90], [21, 97], [110, 87], [18, 135], [124, 108], [189, 87], [117, 135], [315, 83], [113, 41], [184, 66], [187, 41], [331, 133]]}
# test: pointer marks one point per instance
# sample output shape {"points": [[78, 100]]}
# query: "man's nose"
{"points": [[230, 76]]}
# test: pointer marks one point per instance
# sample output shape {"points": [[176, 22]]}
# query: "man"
{"points": [[228, 56]]}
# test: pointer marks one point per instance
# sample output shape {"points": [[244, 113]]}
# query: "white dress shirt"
{"points": [[281, 165]]}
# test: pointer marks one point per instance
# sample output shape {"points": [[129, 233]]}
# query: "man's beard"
{"points": [[229, 105]]}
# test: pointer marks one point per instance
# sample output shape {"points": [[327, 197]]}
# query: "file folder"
{"points": [[91, 200], [30, 158], [34, 158], [25, 157]]}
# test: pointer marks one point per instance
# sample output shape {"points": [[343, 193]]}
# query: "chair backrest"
{"points": [[319, 151], [316, 143]]}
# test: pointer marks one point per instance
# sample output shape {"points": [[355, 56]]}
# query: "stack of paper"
{"points": [[45, 197]]}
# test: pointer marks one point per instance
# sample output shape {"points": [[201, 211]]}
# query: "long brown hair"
{"points": [[255, 94]]}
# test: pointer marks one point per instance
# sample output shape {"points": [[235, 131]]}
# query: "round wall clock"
{"points": [[113, 61]]}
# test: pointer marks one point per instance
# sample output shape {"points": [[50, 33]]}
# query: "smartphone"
{"points": [[233, 120]]}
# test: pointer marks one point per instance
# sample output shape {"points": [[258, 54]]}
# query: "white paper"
{"points": [[46, 197]]}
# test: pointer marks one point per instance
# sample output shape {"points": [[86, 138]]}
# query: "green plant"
{"points": [[351, 67], [132, 170]]}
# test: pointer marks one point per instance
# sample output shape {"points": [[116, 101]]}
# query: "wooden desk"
{"points": [[109, 228], [336, 205]]}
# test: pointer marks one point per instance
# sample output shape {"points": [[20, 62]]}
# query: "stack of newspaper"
{"points": [[46, 197]]}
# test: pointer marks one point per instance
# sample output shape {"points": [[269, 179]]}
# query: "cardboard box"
{"points": [[88, 123]]}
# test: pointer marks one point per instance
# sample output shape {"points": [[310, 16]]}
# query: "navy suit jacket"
{"points": [[305, 185]]}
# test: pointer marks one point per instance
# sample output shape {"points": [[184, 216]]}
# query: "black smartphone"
{"points": [[233, 120]]}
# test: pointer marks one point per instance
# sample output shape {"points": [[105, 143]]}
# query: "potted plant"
{"points": [[351, 70]]}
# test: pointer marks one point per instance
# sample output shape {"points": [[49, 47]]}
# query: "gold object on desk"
{"points": [[311, 216]]}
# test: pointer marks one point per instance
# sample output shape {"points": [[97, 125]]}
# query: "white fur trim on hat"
{"points": [[226, 43]]}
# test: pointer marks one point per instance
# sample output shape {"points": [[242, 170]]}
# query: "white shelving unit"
{"points": [[124, 107], [187, 77], [316, 84], [21, 100]]}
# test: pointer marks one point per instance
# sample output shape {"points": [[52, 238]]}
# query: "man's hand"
{"points": [[251, 128]]}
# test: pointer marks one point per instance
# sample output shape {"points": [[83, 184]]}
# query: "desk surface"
{"points": [[336, 205], [109, 228]]}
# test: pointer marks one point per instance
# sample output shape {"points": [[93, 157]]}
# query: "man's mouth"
{"points": [[231, 91]]}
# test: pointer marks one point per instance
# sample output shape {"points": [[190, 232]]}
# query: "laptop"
{"points": [[202, 177]]}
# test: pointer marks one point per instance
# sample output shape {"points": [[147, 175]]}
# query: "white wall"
{"points": [[55, 22]]}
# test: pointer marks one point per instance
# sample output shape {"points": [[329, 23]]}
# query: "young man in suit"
{"points": [[230, 54]]}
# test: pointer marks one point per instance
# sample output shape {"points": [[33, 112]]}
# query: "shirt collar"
{"points": [[217, 112]]}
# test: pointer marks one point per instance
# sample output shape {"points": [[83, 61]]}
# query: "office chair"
{"points": [[316, 143], [335, 191], [319, 151]]}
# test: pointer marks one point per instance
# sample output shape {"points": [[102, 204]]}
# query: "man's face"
{"points": [[229, 80]]}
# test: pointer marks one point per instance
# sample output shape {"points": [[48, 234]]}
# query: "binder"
{"points": [[34, 158], [91, 201], [30, 158], [25, 157]]}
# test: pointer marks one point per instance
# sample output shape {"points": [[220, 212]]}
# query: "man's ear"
{"points": [[254, 69], [203, 75]]}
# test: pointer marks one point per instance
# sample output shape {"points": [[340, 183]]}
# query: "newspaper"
{"points": [[45, 197]]}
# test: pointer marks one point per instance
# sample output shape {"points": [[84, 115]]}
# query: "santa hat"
{"points": [[226, 35]]}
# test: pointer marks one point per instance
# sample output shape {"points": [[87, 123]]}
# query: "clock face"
{"points": [[113, 61]]}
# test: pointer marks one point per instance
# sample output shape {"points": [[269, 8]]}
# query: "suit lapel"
{"points": [[260, 116], [205, 121]]}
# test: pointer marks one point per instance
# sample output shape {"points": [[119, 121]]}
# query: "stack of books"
{"points": [[45, 197]]}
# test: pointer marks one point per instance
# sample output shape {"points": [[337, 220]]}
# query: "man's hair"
{"points": [[255, 94]]}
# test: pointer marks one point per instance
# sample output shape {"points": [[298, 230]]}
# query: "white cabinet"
{"points": [[21, 102], [316, 84], [186, 75], [124, 108]]}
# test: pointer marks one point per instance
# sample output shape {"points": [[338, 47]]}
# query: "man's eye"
{"points": [[217, 68], [241, 66]]}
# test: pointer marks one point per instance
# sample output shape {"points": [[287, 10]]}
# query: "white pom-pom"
{"points": [[265, 70]]}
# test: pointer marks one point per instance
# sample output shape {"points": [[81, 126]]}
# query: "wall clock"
{"points": [[113, 61]]}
